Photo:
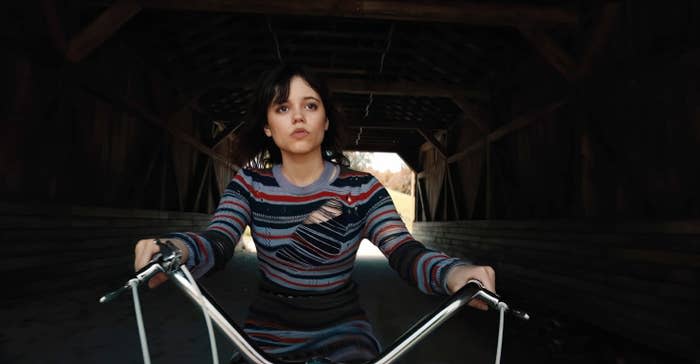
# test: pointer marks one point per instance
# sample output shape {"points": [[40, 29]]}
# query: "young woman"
{"points": [[307, 211]]}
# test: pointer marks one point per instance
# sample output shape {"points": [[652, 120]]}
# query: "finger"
{"points": [[478, 305], [489, 279], [157, 280], [145, 252]]}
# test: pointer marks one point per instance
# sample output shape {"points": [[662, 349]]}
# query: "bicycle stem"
{"points": [[234, 333]]}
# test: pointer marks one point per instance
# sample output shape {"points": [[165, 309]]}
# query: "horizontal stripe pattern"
{"points": [[308, 241]]}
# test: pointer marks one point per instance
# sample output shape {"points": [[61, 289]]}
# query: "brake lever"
{"points": [[167, 260]]}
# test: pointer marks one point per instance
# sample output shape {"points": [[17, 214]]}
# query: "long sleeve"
{"points": [[214, 247], [427, 269]]}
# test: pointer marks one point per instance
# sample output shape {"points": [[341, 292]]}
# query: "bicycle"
{"points": [[168, 261]]}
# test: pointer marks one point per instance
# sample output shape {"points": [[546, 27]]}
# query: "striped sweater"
{"points": [[307, 237]]}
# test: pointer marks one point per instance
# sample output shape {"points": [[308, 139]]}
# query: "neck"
{"points": [[302, 170]]}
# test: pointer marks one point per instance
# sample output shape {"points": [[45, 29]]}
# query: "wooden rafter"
{"points": [[85, 80], [352, 86], [600, 37], [517, 124], [226, 134], [469, 13], [53, 22], [470, 111], [103, 27], [146, 115], [430, 138], [377, 124], [396, 88], [551, 52], [560, 59]]}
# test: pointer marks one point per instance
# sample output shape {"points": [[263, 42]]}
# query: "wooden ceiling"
{"points": [[401, 71]]}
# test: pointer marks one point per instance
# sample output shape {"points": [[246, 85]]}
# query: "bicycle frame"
{"points": [[411, 337], [169, 263]]}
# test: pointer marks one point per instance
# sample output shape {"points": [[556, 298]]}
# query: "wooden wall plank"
{"points": [[637, 279], [47, 246]]}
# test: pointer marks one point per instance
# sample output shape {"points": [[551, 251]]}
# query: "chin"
{"points": [[303, 149]]}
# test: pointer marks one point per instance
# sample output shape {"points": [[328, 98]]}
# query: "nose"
{"points": [[297, 117]]}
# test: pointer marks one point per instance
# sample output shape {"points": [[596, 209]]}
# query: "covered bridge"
{"points": [[556, 140]]}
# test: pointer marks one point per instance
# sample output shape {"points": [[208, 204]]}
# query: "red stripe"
{"points": [[311, 247], [287, 198], [244, 207], [225, 231], [377, 234], [371, 221], [272, 237], [240, 223], [301, 267], [433, 273], [266, 270], [267, 324], [202, 249], [401, 242], [278, 338], [353, 174], [426, 274]]}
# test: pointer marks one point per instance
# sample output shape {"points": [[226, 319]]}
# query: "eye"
{"points": [[312, 106], [282, 108]]}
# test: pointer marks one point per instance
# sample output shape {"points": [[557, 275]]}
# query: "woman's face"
{"points": [[298, 124]]}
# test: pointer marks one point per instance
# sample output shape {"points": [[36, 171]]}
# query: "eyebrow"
{"points": [[286, 101]]}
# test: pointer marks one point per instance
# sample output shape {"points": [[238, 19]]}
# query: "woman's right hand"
{"points": [[145, 250]]}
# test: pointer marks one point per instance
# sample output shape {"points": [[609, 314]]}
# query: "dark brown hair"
{"points": [[254, 149]]}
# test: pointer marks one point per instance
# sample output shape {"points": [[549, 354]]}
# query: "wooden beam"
{"points": [[410, 158], [54, 24], [393, 126], [202, 183], [84, 79], [489, 180], [470, 111], [372, 148], [517, 124], [430, 138], [152, 160], [226, 134], [424, 204], [551, 52], [451, 186], [164, 177], [600, 37], [215, 188], [178, 134], [396, 88], [103, 27], [350, 86], [465, 13], [524, 121]]}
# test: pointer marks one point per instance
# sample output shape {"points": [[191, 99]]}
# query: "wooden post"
{"points": [[489, 187], [215, 189], [101, 29], [202, 182], [164, 176], [455, 206]]}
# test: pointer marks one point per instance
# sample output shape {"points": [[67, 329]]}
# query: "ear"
{"points": [[267, 131], [327, 123]]}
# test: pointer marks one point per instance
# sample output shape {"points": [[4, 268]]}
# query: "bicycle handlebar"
{"points": [[168, 261]]}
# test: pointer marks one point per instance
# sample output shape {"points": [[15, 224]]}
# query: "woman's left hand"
{"points": [[461, 274]]}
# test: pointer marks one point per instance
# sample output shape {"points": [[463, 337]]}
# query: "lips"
{"points": [[299, 133]]}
